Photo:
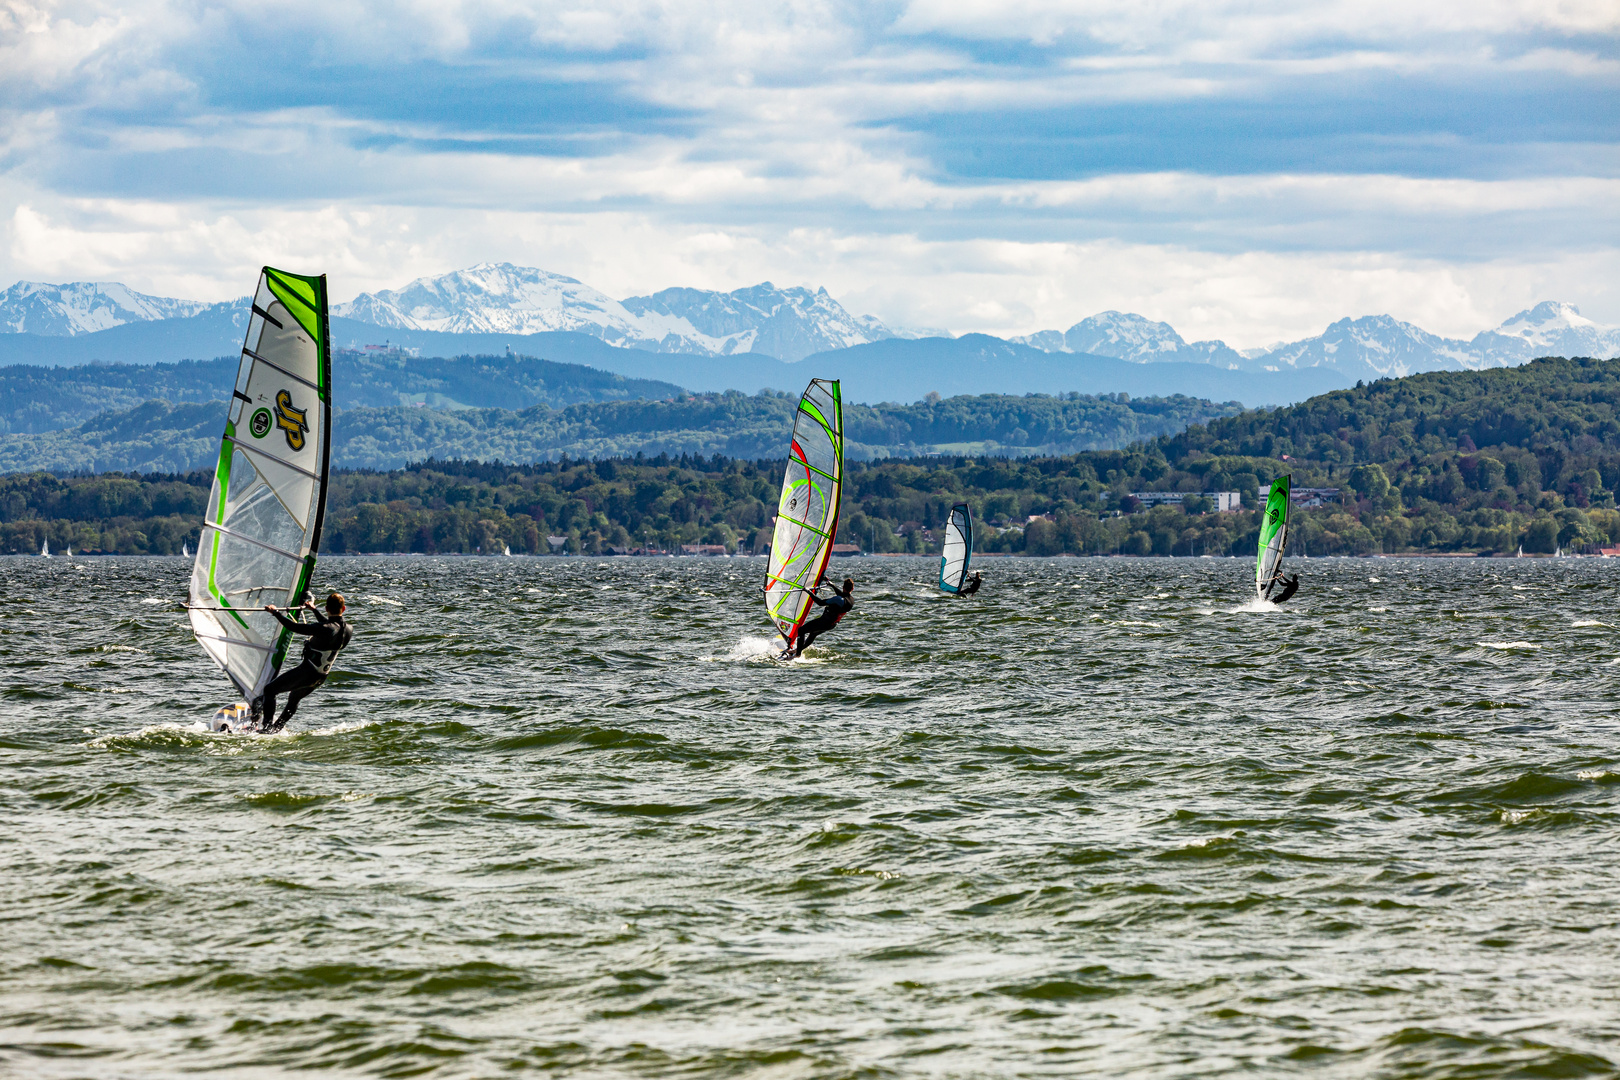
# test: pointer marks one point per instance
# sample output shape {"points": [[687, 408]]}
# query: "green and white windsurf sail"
{"points": [[262, 525], [807, 513], [1273, 539], [958, 551]]}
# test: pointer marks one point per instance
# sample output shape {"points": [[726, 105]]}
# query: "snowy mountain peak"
{"points": [[491, 298], [83, 307], [1372, 346], [503, 298], [1127, 336], [1547, 320]]}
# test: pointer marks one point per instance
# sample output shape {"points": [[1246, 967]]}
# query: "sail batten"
{"points": [[1273, 539], [807, 513], [958, 549], [262, 526]]}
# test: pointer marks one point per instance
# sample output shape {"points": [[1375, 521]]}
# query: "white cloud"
{"points": [[795, 147], [989, 285]]}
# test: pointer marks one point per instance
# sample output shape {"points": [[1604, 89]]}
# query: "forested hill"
{"points": [[176, 438], [1555, 408], [1443, 462], [35, 400]]}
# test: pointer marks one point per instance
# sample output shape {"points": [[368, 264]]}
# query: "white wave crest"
{"points": [[1507, 645]]}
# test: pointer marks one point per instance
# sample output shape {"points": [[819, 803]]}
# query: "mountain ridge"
{"points": [[750, 338]]}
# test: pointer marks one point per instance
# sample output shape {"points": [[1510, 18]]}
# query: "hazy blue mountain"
{"points": [[905, 370], [37, 399]]}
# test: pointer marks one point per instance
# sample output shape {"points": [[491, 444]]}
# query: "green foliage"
{"points": [[1413, 457], [175, 438], [34, 400]]}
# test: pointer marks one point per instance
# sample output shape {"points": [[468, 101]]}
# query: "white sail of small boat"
{"points": [[69, 551], [1520, 555], [506, 549], [185, 549], [45, 551]]}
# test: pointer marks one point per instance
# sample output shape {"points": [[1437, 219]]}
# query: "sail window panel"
{"points": [[296, 492], [263, 516], [288, 347], [243, 476]]}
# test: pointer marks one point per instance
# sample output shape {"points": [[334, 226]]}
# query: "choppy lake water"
{"points": [[561, 816]]}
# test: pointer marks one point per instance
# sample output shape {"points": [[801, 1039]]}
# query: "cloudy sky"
{"points": [[1244, 169]]}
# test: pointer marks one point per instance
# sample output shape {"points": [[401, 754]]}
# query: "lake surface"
{"points": [[565, 817]]}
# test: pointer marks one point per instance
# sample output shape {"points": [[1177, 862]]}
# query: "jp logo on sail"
{"points": [[291, 420]]}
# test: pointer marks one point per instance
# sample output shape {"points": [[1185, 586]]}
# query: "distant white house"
{"points": [[1225, 501]]}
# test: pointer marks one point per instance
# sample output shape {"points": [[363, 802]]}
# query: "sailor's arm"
{"points": [[292, 624]]}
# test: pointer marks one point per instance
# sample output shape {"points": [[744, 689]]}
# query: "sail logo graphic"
{"points": [[291, 420], [261, 423]]}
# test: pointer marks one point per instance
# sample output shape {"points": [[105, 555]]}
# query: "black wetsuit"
{"points": [[327, 636], [972, 585], [837, 605], [1289, 588]]}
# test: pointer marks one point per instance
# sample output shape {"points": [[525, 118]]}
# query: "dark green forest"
{"points": [[159, 437], [1441, 462], [35, 400]]}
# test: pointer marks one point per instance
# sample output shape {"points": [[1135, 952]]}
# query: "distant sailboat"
{"points": [[69, 551], [45, 551], [1520, 555], [506, 549], [1558, 552], [185, 549]]}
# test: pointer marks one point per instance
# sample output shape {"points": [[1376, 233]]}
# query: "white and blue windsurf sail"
{"points": [[262, 525], [953, 561]]}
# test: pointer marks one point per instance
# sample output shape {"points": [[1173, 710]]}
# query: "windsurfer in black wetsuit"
{"points": [[971, 585], [1290, 586], [838, 605], [328, 634]]}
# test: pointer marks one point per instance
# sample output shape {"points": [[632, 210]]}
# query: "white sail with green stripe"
{"points": [[1273, 539], [807, 514], [262, 525]]}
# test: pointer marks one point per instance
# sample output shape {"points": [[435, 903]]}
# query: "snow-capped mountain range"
{"points": [[83, 307], [1373, 346], [793, 323], [500, 298]]}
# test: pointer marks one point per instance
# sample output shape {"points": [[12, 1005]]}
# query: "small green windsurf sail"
{"points": [[1273, 539], [807, 513], [262, 525], [958, 550]]}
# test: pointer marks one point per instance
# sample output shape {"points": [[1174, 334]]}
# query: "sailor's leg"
{"points": [[306, 686], [264, 708]]}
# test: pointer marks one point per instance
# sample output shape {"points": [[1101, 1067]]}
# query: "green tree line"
{"points": [[1441, 462], [159, 437]]}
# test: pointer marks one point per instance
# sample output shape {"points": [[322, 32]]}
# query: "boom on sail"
{"points": [[262, 525], [807, 513]]}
